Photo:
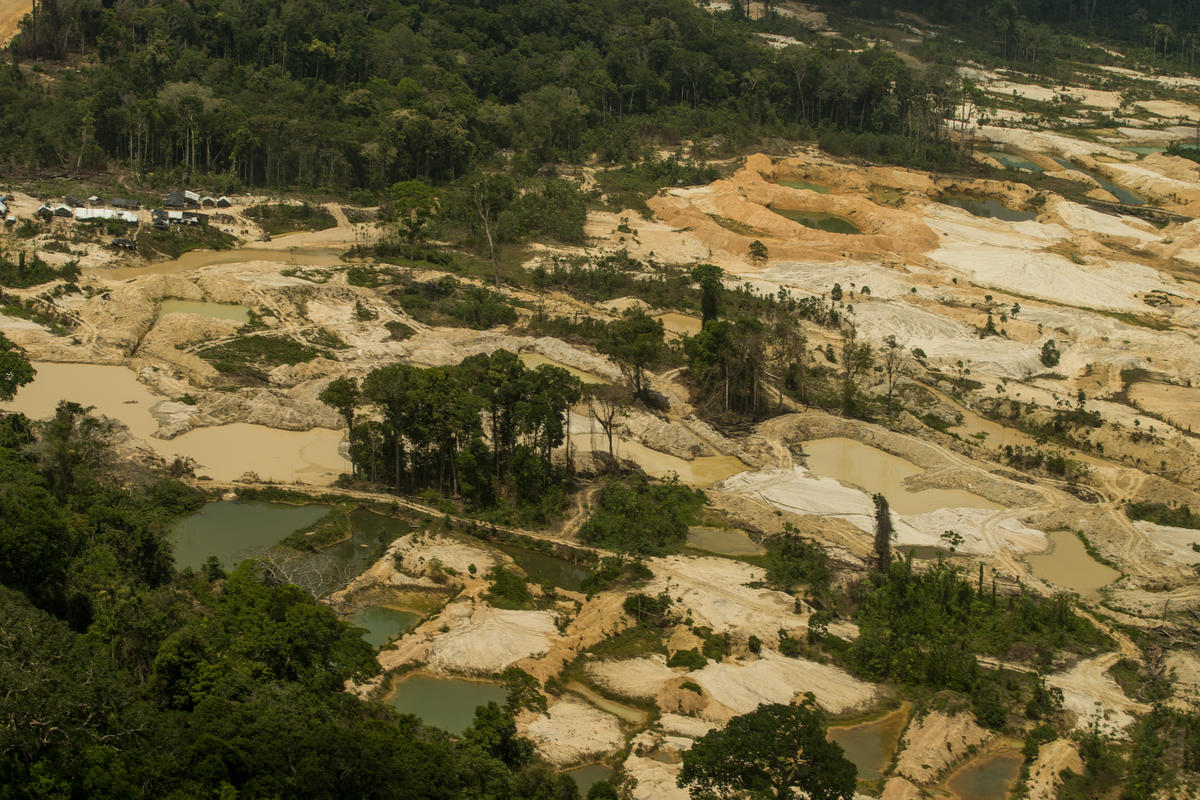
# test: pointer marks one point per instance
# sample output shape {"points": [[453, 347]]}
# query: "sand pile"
{"points": [[738, 688], [483, 640], [934, 742], [570, 732]]}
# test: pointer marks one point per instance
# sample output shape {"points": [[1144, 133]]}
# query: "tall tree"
{"points": [[709, 278], [636, 342], [776, 751], [414, 203], [15, 369], [884, 531]]}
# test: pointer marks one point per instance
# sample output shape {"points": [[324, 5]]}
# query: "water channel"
{"points": [[1122, 194], [798, 184], [1013, 162], [447, 703], [819, 220], [545, 568], [237, 313], [989, 777], [875, 471], [233, 530], [1068, 564]]}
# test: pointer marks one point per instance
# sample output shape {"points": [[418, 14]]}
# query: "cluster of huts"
{"points": [[174, 211]]}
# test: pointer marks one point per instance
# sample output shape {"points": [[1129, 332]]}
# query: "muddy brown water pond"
{"points": [[234, 530], [1068, 564], [989, 777], [980, 206], [222, 452], [446, 703], [680, 324], [382, 625], [545, 568], [871, 745], [819, 220], [875, 471], [726, 541], [239, 314]]}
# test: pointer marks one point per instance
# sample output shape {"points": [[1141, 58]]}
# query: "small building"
{"points": [[174, 199], [92, 214], [73, 201], [124, 244], [208, 201], [191, 199], [44, 211], [63, 211], [10, 220], [224, 202], [121, 202], [93, 200], [3, 209]]}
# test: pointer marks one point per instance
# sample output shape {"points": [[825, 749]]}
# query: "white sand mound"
{"points": [[1177, 542], [714, 590], [980, 533], [654, 780], [417, 554], [743, 687], [685, 726], [935, 742], [635, 677], [483, 639], [570, 733], [1093, 696]]}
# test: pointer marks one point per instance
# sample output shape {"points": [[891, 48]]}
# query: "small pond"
{"points": [[989, 777], [1067, 564], [237, 313], [726, 541], [1121, 193], [871, 745], [234, 530], [981, 206], [545, 568], [447, 703], [586, 777], [879, 472], [886, 196], [798, 184], [681, 324], [819, 220], [1144, 149], [382, 625], [1013, 162]]}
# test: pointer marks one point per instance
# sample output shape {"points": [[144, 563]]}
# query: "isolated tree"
{"points": [[414, 204], [709, 278], [343, 395], [758, 251], [883, 534], [15, 369], [485, 199], [893, 357], [636, 342], [857, 360], [607, 403], [776, 751]]}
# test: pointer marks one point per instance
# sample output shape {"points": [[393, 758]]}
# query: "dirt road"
{"points": [[11, 12]]}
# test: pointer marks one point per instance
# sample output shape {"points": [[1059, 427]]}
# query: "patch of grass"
{"points": [[635, 642], [250, 356], [287, 217], [329, 529], [179, 239], [1162, 514], [737, 227]]}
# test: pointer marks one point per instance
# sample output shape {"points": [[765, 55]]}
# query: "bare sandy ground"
{"points": [[571, 732], [11, 12], [935, 742]]}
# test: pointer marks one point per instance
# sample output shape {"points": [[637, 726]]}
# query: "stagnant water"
{"points": [[195, 259], [447, 703], [587, 776], [222, 452], [382, 625], [871, 745], [237, 313], [981, 206], [233, 530], [798, 184], [879, 472], [819, 220], [545, 568], [680, 324], [1067, 564], [726, 541], [989, 777]]}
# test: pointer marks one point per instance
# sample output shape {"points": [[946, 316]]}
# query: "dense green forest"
{"points": [[331, 94]]}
